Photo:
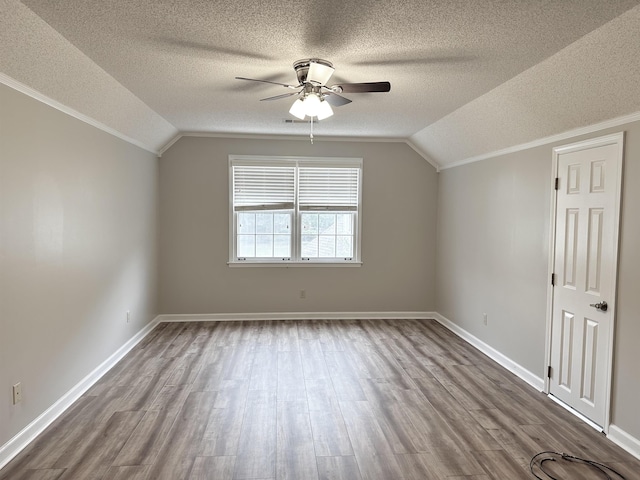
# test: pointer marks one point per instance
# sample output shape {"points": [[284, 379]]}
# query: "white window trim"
{"points": [[356, 261]]}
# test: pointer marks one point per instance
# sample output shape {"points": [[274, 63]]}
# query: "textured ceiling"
{"points": [[38, 57], [589, 82], [180, 57]]}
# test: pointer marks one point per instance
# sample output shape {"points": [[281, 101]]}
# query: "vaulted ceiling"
{"points": [[467, 77]]}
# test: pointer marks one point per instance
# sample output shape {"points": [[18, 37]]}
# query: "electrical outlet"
{"points": [[303, 294], [485, 319], [128, 316], [17, 393]]}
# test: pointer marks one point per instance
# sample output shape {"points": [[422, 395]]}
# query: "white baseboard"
{"points": [[616, 434], [624, 440], [14, 446], [9, 450], [222, 317], [533, 380], [518, 370]]}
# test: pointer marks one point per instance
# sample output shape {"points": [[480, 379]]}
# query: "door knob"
{"points": [[602, 306]]}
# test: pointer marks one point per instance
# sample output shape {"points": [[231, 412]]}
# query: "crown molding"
{"points": [[36, 95], [596, 127], [423, 154], [250, 136], [304, 137], [169, 144], [30, 92]]}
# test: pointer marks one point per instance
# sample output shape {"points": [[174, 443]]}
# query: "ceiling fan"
{"points": [[315, 98]]}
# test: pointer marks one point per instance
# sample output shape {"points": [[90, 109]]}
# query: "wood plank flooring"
{"points": [[309, 400]]}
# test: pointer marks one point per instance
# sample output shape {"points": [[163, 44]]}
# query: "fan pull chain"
{"points": [[311, 134]]}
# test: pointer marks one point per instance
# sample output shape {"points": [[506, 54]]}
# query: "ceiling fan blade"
{"points": [[336, 100], [267, 81], [427, 59], [362, 87], [203, 49], [278, 97], [319, 73]]}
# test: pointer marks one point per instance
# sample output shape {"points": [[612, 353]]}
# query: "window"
{"points": [[294, 210]]}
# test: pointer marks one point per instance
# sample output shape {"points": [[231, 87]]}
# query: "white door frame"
{"points": [[613, 139]]}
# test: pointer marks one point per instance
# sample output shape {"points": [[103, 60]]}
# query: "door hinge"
{"points": [[557, 183], [549, 371], [553, 279]]}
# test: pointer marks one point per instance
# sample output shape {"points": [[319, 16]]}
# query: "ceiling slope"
{"points": [[590, 81], [466, 77], [39, 61]]}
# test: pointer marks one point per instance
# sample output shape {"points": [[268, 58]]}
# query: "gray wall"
{"points": [[78, 237], [398, 238], [493, 250], [77, 250]]}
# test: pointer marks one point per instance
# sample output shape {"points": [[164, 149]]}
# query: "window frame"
{"points": [[296, 260]]}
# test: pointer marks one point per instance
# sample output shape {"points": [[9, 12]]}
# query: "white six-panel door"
{"points": [[585, 264]]}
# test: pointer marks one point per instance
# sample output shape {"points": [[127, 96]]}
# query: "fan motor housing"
{"points": [[302, 67]]}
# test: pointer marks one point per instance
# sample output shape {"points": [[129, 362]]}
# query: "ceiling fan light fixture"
{"points": [[319, 73], [298, 109], [312, 105], [325, 110]]}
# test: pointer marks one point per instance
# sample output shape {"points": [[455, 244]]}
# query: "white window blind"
{"points": [[328, 188], [263, 187], [294, 210]]}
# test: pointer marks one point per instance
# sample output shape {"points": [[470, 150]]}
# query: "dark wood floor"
{"points": [[310, 400]]}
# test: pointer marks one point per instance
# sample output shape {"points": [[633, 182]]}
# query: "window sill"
{"points": [[293, 264]]}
